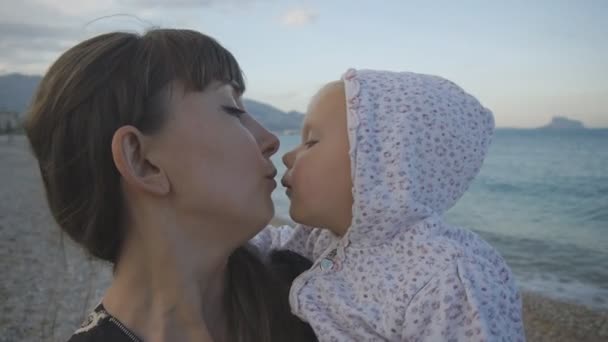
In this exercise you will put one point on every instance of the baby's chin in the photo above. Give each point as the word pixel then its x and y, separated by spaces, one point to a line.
pixel 295 215
pixel 302 217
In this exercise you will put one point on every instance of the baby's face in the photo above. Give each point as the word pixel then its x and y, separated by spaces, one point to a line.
pixel 318 179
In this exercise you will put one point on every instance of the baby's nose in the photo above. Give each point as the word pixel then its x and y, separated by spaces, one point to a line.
pixel 288 158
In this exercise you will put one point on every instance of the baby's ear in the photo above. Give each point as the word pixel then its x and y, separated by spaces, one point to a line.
pixel 129 152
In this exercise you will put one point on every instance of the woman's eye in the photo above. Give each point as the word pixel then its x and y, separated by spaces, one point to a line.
pixel 233 111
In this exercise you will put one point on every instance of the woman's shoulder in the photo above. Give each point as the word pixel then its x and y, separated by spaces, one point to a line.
pixel 101 326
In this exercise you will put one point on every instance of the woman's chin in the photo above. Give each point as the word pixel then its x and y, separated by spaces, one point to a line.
pixel 263 216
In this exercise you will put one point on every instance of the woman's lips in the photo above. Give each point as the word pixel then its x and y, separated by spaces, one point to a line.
pixel 273 183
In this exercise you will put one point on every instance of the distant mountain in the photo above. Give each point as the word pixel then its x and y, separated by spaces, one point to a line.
pixel 560 122
pixel 273 118
pixel 16 91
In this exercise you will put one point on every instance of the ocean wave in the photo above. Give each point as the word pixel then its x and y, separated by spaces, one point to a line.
pixel 545 189
pixel 597 213
pixel 562 260
pixel 571 290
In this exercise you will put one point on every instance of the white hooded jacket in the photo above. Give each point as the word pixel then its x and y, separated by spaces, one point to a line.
pixel 401 273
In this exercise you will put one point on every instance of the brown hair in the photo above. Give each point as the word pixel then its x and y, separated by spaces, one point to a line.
pixel 119 79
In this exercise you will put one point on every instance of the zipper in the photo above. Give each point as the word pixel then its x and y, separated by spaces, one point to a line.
pixel 125 330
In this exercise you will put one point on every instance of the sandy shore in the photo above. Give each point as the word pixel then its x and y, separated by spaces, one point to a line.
pixel 48 285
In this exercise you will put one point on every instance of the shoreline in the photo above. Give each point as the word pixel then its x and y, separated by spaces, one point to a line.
pixel 550 289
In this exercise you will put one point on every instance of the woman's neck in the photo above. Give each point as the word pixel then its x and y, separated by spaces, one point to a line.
pixel 169 288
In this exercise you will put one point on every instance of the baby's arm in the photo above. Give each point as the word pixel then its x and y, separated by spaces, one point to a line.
pixel 463 304
pixel 307 241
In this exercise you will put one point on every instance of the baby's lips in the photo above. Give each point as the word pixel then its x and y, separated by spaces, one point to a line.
pixel 285 183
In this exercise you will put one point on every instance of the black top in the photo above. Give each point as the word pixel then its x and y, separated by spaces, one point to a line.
pixel 101 326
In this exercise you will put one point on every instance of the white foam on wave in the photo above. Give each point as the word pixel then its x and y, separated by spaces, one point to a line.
pixel 571 290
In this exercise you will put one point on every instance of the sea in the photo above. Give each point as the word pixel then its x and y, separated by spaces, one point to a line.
pixel 541 199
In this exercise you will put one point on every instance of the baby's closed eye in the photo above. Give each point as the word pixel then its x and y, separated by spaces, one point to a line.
pixel 310 143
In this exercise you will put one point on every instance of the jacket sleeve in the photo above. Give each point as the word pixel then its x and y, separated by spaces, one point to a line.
pixel 307 241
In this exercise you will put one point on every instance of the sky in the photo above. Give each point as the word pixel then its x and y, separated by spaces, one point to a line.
pixel 526 60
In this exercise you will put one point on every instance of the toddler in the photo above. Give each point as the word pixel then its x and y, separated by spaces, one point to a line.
pixel 383 156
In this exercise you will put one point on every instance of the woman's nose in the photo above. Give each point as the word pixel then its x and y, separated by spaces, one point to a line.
pixel 267 141
pixel 270 144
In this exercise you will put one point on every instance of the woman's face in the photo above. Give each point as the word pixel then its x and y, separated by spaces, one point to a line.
pixel 217 159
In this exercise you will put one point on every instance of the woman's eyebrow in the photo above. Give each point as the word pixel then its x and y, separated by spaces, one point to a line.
pixel 236 88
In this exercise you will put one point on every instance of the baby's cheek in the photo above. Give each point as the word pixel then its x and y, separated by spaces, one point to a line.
pixel 311 182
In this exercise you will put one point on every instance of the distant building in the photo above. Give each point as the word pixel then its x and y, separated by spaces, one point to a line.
pixel 9 121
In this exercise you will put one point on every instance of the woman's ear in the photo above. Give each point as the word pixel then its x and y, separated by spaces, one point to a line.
pixel 129 153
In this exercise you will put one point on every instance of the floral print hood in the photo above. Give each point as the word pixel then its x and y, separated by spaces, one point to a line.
pixel 416 143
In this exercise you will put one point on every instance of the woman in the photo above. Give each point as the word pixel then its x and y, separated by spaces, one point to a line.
pixel 151 163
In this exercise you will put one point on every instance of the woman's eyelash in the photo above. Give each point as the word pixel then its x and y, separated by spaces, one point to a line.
pixel 233 111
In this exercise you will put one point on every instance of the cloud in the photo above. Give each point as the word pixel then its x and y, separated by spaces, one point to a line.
pixel 191 3
pixel 298 17
pixel 185 3
pixel 21 31
pixel 34 32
